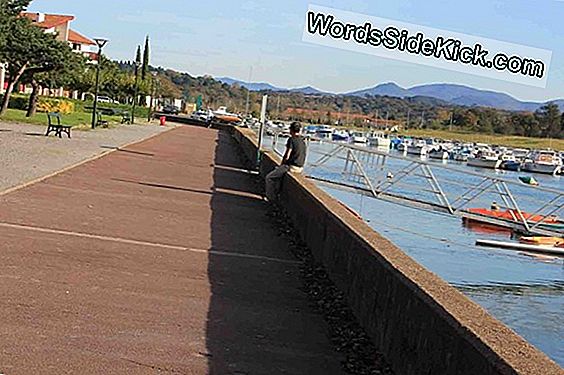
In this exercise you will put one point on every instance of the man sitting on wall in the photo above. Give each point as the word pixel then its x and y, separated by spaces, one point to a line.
pixel 293 161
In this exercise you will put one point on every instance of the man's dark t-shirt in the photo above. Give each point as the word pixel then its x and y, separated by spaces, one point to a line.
pixel 298 151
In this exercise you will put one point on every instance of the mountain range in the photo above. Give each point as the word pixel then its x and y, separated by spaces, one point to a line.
pixel 456 94
pixel 263 86
pixel 450 93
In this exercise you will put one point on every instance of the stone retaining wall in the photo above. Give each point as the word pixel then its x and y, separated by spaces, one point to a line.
pixel 421 323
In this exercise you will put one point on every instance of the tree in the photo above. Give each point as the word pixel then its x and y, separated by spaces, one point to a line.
pixel 525 124
pixel 9 10
pixel 562 126
pixel 548 117
pixel 28 50
pixel 137 60
pixel 57 70
pixel 165 88
pixel 146 54
pixel 82 78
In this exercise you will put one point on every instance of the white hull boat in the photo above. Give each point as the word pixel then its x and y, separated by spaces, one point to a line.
pixel 418 150
pixel 383 143
pixel 484 162
pixel 438 154
pixel 461 157
pixel 380 140
pixel 531 166
pixel 324 133
pixel 547 162
pixel 359 138
pixel 341 136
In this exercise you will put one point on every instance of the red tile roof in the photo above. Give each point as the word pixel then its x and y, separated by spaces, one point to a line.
pixel 75 37
pixel 51 20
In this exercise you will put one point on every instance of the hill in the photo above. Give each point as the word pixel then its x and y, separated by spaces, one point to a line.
pixel 263 86
pixel 451 93
pixel 456 94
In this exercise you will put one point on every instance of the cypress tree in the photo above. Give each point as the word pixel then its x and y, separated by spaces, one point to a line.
pixel 137 59
pixel 146 54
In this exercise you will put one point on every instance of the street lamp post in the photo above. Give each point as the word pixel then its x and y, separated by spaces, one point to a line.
pixel 137 66
pixel 100 42
pixel 151 105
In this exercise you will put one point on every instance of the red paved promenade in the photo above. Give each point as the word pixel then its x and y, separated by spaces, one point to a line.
pixel 155 259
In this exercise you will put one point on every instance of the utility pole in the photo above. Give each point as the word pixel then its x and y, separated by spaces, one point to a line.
pixel 262 126
pixel 151 105
pixel 450 125
pixel 248 91
pixel 100 42
pixel 137 67
pixel 408 113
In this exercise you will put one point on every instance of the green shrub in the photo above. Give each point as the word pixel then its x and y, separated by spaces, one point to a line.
pixel 17 101
pixel 20 101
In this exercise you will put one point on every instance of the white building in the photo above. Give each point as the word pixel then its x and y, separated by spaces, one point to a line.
pixel 60 25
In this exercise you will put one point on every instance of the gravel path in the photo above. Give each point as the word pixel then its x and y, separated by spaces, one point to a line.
pixel 26 154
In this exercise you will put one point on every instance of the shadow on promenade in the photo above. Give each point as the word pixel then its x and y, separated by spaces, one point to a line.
pixel 259 321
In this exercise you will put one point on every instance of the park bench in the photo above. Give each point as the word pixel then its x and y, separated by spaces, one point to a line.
pixel 100 121
pixel 54 125
pixel 125 118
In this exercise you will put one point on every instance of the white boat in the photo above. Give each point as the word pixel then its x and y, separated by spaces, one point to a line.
pixel 223 115
pixel 359 137
pixel 202 115
pixel 507 156
pixel 555 250
pixel 379 139
pixel 402 147
pixel 341 136
pixel 485 159
pixel 461 154
pixel 545 161
pixel 310 130
pixel 325 132
pixel 439 153
pixel 520 153
pixel 284 131
pixel 418 148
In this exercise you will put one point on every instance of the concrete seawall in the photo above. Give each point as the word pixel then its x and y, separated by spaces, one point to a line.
pixel 421 323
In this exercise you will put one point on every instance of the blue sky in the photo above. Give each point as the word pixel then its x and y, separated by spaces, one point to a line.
pixel 225 37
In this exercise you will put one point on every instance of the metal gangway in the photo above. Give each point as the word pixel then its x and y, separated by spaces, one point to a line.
pixel 440 188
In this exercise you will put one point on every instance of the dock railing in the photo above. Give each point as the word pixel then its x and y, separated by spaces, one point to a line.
pixel 434 186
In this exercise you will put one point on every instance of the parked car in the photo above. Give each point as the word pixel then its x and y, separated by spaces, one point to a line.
pixel 171 109
pixel 201 115
pixel 105 99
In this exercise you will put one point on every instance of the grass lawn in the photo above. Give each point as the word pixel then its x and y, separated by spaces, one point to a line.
pixel 79 120
pixel 505 140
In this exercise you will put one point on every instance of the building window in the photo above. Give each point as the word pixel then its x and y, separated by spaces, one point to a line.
pixel 76 46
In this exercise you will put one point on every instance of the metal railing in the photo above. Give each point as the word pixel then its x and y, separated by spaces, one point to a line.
pixel 436 187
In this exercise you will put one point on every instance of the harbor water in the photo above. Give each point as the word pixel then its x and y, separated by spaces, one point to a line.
pixel 524 291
